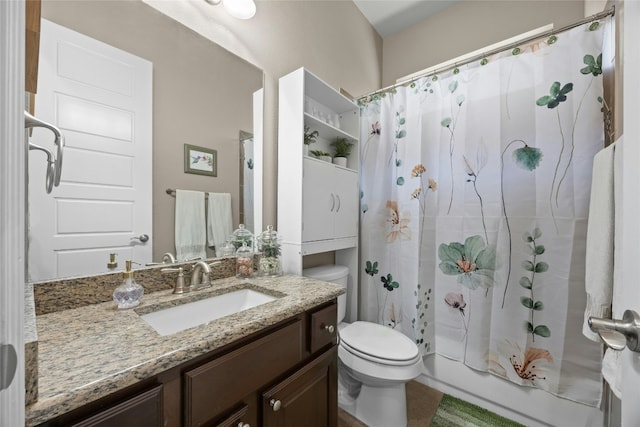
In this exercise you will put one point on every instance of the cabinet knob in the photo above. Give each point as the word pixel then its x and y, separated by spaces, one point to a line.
pixel 275 405
pixel 329 328
pixel 241 424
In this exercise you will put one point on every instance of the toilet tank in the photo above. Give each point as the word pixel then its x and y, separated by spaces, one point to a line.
pixel 338 274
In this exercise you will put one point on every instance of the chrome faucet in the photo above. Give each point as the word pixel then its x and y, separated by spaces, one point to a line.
pixel 200 274
pixel 168 258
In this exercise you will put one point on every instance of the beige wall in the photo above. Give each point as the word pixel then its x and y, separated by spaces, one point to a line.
pixel 202 95
pixel 467 26
pixel 330 38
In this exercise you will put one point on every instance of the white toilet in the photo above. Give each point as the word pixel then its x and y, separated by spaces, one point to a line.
pixel 375 362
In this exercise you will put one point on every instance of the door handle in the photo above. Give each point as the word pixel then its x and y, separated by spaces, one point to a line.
pixel 333 202
pixel 338 208
pixel 618 333
pixel 8 364
pixel 143 238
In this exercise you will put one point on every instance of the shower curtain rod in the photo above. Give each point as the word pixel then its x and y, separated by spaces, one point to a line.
pixel 435 70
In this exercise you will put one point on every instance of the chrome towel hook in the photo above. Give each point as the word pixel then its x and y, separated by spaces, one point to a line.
pixel 51 168
pixel 54 167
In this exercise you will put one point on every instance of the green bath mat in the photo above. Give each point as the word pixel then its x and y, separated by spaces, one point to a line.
pixel 454 412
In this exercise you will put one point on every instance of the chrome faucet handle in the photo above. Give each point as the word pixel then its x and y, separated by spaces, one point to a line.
pixel 178 288
pixel 200 274
pixel 168 258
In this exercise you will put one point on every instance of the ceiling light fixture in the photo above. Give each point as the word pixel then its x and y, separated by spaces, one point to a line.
pixel 240 9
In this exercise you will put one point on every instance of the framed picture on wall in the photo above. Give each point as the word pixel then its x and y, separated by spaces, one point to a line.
pixel 200 160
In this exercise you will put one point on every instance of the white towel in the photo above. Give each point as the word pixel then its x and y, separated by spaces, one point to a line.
pixel 599 258
pixel 190 230
pixel 612 362
pixel 611 371
pixel 219 219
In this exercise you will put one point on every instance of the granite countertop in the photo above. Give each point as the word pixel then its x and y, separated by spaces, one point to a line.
pixel 90 352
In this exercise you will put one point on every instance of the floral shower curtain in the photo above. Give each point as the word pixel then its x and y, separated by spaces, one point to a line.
pixel 474 201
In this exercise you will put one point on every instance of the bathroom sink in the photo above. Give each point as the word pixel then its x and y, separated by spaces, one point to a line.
pixel 175 319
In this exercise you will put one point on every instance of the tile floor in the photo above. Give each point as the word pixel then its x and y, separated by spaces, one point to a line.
pixel 422 403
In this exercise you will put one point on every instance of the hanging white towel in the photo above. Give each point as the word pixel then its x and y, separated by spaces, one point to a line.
pixel 219 219
pixel 611 371
pixel 190 228
pixel 599 260
pixel 612 362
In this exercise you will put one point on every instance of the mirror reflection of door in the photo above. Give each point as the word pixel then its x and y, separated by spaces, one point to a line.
pixel 247 164
pixel 100 97
pixel 202 95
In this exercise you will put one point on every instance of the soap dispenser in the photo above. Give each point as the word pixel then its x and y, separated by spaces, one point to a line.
pixel 129 293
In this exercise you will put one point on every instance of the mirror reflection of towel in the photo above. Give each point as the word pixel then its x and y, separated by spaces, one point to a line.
pixel 190 227
pixel 219 219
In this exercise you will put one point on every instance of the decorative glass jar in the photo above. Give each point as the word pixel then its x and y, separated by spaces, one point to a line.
pixel 269 248
pixel 244 262
pixel 228 249
pixel 242 235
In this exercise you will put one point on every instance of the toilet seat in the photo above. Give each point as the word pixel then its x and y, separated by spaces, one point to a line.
pixel 379 344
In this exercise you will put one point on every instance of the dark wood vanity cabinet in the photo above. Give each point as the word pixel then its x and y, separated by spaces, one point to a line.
pixel 285 378
pixel 284 375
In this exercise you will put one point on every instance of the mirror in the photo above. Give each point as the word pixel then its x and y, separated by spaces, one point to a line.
pixel 202 95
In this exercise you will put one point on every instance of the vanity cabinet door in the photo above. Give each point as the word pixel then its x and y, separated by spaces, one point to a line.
pixel 217 386
pixel 144 409
pixel 308 397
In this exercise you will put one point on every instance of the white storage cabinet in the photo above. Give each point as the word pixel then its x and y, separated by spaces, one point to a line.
pixel 318 201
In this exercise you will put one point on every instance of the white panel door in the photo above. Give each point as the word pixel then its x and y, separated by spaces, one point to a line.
pixel 318 200
pixel 628 287
pixel 347 207
pixel 101 99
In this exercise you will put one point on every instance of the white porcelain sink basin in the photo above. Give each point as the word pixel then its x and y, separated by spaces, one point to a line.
pixel 175 319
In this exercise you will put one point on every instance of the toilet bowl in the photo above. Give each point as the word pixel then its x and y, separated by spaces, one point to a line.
pixel 375 362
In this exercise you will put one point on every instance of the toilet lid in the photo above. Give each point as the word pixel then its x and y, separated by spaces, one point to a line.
pixel 378 342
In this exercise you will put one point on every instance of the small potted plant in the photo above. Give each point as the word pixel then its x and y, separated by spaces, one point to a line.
pixel 342 150
pixel 309 138
pixel 322 155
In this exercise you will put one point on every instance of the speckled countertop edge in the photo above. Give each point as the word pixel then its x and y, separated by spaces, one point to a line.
pixel 90 352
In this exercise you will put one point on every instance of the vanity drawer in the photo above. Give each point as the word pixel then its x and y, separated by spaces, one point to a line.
pixel 324 327
pixel 216 386
pixel 142 409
